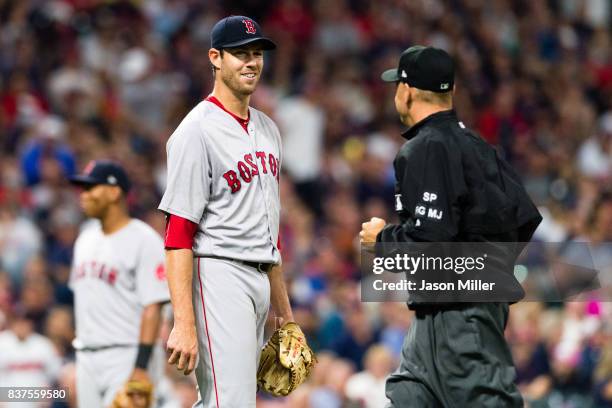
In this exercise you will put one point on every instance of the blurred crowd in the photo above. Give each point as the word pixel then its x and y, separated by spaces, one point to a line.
pixel 90 79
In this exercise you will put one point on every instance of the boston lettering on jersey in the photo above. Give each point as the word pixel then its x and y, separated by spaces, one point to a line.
pixel 249 168
pixel 98 270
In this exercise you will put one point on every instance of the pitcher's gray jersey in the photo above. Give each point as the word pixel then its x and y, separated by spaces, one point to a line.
pixel 113 277
pixel 227 182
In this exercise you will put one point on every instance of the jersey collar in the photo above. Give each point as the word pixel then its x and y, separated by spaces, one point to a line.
pixel 243 122
pixel 442 115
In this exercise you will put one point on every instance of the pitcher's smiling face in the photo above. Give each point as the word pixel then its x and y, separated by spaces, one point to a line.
pixel 240 67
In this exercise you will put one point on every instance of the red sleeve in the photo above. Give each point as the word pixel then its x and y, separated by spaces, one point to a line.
pixel 179 232
pixel 278 242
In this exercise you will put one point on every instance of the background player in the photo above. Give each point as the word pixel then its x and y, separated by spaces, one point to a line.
pixel 119 284
pixel 222 198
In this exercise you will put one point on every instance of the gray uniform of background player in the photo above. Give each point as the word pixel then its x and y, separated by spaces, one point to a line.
pixel 113 277
pixel 231 300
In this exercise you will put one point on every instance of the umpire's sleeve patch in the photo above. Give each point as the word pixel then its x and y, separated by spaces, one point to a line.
pixel 398 203
pixel 435 214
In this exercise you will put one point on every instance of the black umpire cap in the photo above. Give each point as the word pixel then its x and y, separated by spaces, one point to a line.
pixel 427 68
pixel 102 172
pixel 234 31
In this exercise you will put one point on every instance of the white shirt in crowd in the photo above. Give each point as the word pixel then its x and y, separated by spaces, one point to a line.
pixel 33 362
pixel 366 388
pixel 302 126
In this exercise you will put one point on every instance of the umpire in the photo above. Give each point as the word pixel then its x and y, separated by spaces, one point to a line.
pixel 451 187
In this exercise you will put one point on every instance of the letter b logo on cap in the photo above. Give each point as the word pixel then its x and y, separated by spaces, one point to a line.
pixel 250 27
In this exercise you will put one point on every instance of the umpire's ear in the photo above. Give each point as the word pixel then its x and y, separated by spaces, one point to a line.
pixel 402 93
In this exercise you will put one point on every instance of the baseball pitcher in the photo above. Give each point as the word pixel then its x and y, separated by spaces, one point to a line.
pixel 222 234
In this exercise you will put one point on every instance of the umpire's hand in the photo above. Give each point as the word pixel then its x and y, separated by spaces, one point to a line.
pixel 370 229
pixel 183 347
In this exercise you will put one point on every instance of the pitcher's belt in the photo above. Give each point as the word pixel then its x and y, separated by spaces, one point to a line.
pixel 260 266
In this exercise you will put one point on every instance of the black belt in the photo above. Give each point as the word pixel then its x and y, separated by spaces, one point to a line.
pixel 260 266
pixel 109 346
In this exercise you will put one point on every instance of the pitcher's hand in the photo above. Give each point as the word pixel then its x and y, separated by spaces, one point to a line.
pixel 182 347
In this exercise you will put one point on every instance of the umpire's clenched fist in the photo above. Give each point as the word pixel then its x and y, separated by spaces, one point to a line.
pixel 370 229
pixel 182 347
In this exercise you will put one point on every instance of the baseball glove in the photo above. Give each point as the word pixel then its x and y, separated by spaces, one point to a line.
pixel 135 394
pixel 286 361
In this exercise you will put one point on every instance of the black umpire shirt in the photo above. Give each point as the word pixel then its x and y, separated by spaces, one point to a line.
pixel 451 186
